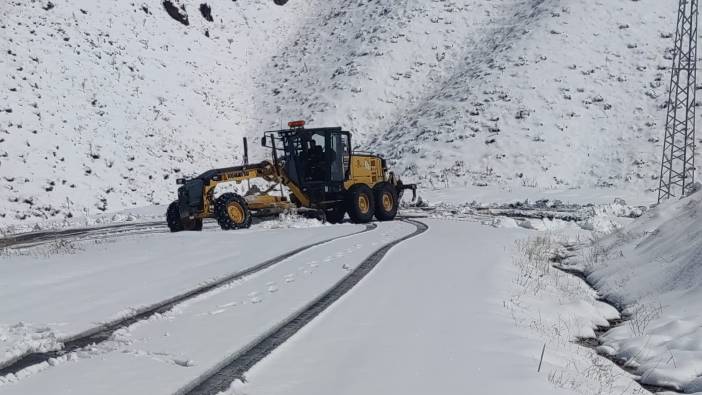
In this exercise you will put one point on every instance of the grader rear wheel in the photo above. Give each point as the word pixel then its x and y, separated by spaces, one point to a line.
pixel 232 212
pixel 178 224
pixel 386 201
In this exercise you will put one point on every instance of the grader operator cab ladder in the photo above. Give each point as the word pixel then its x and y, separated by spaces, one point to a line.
pixel 318 168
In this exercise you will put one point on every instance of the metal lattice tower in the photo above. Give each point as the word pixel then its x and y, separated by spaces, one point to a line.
pixel 678 164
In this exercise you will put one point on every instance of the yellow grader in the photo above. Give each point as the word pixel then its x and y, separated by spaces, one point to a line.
pixel 317 166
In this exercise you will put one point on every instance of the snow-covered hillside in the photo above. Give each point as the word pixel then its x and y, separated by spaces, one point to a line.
pixel 548 94
pixel 106 103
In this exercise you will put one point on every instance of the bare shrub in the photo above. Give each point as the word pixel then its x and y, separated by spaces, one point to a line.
pixel 529 182
pixel 598 371
pixel 62 247
pixel 534 261
pixel 603 372
pixel 641 317
pixel 561 379
pixel 594 255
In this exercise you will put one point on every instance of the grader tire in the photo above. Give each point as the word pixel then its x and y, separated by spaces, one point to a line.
pixel 194 225
pixel 360 204
pixel 178 224
pixel 173 218
pixel 232 212
pixel 335 215
pixel 386 201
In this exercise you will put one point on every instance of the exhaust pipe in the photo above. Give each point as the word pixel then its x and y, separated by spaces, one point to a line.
pixel 246 151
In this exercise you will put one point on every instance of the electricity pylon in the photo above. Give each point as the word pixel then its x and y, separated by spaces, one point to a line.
pixel 678 164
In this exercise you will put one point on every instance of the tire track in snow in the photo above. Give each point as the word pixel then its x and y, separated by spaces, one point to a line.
pixel 220 377
pixel 30 239
pixel 36 238
pixel 104 332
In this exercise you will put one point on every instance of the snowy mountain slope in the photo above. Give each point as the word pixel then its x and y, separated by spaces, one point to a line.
pixel 368 64
pixel 109 102
pixel 540 93
pixel 106 103
pixel 561 105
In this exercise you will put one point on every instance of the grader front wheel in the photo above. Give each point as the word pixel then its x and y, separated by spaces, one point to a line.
pixel 193 224
pixel 173 218
pixel 232 212
pixel 361 204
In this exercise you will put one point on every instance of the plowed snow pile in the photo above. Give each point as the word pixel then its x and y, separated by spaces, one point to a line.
pixel 105 103
pixel 653 268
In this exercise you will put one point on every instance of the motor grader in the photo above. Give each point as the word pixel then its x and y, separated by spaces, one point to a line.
pixel 318 168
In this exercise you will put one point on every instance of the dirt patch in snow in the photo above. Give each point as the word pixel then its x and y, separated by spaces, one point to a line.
pixel 206 12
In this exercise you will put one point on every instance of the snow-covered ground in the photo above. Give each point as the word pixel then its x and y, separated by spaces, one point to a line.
pixel 653 270
pixel 141 215
pixel 469 304
pixel 56 293
pixel 168 351
pixel 431 319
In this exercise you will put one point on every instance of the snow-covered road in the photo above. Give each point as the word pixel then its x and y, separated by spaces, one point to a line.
pixel 429 320
pixel 167 352
pixel 47 299
pixel 445 311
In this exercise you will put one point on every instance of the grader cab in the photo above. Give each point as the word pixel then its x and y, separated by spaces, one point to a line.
pixel 317 166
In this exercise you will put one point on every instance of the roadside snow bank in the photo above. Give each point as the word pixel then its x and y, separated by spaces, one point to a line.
pixel 22 338
pixel 145 214
pixel 542 214
pixel 653 268
pixel 558 308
